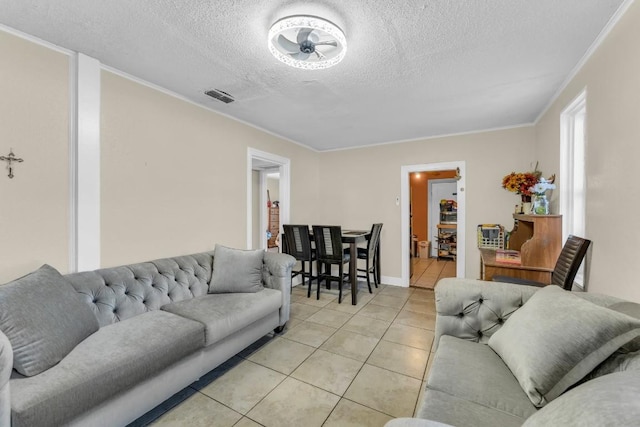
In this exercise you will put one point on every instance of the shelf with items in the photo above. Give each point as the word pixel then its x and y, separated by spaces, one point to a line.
pixel 447 238
pixel 274 226
pixel 447 241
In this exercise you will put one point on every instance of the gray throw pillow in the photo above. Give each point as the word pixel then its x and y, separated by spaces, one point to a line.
pixel 632 309
pixel 44 319
pixel 611 400
pixel 236 270
pixel 556 338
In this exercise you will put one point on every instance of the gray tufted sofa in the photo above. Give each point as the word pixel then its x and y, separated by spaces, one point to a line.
pixel 159 331
pixel 470 385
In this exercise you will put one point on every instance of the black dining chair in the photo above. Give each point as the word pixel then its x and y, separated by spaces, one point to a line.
pixel 566 268
pixel 369 254
pixel 298 245
pixel 329 252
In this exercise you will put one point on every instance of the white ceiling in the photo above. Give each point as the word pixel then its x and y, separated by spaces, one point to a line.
pixel 413 68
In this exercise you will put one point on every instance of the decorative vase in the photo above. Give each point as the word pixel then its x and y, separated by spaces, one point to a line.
pixel 540 204
pixel 525 205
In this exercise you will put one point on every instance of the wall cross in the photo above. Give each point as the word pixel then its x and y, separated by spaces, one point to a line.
pixel 10 159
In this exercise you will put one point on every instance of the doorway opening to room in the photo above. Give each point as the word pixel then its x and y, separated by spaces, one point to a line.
pixel 267 199
pixel 433 214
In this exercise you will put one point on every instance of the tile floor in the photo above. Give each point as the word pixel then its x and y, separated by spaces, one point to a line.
pixel 334 365
pixel 427 271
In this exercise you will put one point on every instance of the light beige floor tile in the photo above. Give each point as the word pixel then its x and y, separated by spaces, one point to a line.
pixel 310 333
pixel 385 391
pixel 418 320
pixel 388 301
pixel 351 414
pixel 350 344
pixel 399 358
pixel 292 323
pixel 366 326
pixel 246 422
pixel 408 335
pixel 325 298
pixel 282 355
pixel 379 312
pixel 422 295
pixel 328 317
pixel 244 386
pixel 397 291
pixel 346 306
pixel 419 306
pixel 199 411
pixel 329 371
pixel 297 297
pixel 294 403
pixel 302 311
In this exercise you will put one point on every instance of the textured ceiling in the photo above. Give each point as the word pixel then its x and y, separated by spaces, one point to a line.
pixel 413 68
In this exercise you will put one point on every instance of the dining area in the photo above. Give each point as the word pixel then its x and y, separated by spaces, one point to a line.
pixel 329 253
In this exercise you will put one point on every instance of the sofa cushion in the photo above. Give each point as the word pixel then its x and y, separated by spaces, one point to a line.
pixel 236 270
pixel 556 339
pixel 474 372
pixel 611 400
pixel 224 314
pixel 108 362
pixel 617 362
pixel 44 319
pixel 445 408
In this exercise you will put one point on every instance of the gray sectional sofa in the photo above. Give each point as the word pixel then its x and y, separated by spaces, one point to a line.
pixel 101 348
pixel 510 355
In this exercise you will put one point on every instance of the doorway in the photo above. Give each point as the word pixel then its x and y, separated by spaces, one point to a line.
pixel 268 198
pixel 409 220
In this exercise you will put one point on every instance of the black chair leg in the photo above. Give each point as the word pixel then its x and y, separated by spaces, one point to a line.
pixel 368 274
pixel 340 280
pixel 327 271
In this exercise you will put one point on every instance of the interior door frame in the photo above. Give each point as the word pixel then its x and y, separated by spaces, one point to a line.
pixel 284 167
pixel 404 213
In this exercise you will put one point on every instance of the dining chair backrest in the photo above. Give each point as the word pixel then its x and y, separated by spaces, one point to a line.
pixel 372 245
pixel 298 242
pixel 328 240
pixel 568 264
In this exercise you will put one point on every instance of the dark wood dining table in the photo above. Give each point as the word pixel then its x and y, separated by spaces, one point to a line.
pixel 353 238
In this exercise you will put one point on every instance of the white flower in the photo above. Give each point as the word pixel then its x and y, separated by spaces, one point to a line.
pixel 542 186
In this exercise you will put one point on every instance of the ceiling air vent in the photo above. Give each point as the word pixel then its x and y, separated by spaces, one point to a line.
pixel 220 95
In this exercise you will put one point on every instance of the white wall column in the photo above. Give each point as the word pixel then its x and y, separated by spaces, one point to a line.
pixel 85 163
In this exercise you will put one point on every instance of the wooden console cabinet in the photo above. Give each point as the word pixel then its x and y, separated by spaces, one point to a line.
pixel 539 240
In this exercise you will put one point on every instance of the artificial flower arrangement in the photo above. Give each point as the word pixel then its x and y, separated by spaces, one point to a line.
pixel 528 184
pixel 521 183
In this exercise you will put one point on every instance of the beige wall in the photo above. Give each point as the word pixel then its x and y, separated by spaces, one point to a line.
pixel 359 187
pixel 174 174
pixel 612 79
pixel 34 121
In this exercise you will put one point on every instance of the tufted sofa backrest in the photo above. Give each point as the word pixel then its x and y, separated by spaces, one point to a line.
pixel 122 292
pixel 475 309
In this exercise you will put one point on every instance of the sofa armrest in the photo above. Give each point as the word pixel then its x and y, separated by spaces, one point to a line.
pixel 475 309
pixel 6 366
pixel 277 275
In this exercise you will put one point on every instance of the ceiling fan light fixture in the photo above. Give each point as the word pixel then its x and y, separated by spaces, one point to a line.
pixel 307 42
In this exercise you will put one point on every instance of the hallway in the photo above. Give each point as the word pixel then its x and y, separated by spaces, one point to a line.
pixel 427 271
